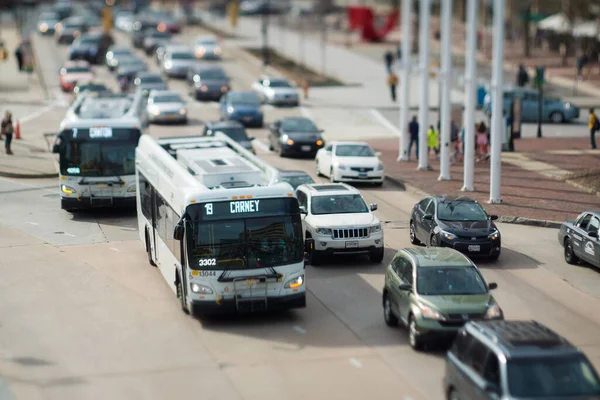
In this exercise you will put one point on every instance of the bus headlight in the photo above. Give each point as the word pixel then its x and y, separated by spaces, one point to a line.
pixel 67 189
pixel 201 289
pixel 294 283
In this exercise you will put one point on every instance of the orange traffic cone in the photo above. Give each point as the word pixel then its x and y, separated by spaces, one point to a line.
pixel 17 130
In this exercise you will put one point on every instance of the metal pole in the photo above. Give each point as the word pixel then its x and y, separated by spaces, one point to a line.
pixel 540 102
pixel 446 84
pixel 323 41
pixel 265 32
pixel 498 124
pixel 424 14
pixel 470 98
pixel 405 78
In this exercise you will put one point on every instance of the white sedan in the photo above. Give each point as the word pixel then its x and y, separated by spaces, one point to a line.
pixel 276 91
pixel 350 162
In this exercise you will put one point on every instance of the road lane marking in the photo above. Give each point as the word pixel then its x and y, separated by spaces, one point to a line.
pixel 356 363
pixel 115 249
pixel 262 145
pixel 307 114
pixel 32 223
pixel 384 121
pixel 300 330
pixel 36 114
pixel 69 234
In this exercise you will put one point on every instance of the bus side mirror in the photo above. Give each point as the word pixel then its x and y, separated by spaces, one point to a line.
pixel 178 232
pixel 303 210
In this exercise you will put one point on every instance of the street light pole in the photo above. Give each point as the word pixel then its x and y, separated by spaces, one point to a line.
pixel 470 92
pixel 265 33
pixel 446 84
pixel 498 122
pixel 405 81
pixel 424 16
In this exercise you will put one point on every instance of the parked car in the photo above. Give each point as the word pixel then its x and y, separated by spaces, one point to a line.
pixel 47 22
pixel 208 82
pixel 350 162
pixel 154 39
pixel 114 54
pixel 554 109
pixel 90 87
pixel 63 9
pixel 73 73
pixel 295 178
pixel 242 106
pixel 233 129
pixel 130 66
pixel 579 237
pixel 178 60
pixel 517 360
pixel 276 91
pixel 206 47
pixel 433 292
pixel 91 47
pixel 166 106
pixel 295 135
pixel 457 222
pixel 68 29
pixel 339 221
pixel 147 81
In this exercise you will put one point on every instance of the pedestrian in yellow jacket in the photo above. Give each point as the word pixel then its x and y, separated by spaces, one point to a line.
pixel 433 140
pixel 392 82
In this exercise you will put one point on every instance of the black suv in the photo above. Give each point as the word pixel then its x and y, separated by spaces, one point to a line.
pixel 517 360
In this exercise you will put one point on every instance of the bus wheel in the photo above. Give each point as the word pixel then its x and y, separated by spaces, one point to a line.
pixel 149 250
pixel 181 296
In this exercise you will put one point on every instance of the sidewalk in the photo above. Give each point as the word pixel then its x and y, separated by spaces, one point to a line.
pixel 530 189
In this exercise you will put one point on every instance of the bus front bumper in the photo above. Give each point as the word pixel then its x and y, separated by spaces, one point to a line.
pixel 73 203
pixel 203 308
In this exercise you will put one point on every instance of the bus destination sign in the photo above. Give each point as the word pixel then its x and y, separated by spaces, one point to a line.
pixel 249 208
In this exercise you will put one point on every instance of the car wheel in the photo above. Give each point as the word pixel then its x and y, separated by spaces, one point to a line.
pixel 413 336
pixel 557 117
pixel 388 314
pixel 376 256
pixel 413 234
pixel 331 176
pixel 318 171
pixel 181 297
pixel 570 256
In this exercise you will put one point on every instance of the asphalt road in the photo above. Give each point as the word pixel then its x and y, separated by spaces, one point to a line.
pixel 83 315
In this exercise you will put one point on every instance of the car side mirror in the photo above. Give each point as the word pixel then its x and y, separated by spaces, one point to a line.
pixel 492 285
pixel 373 206
pixel 178 232
pixel 303 210
pixel 378 153
pixel 593 234
pixel 493 217
pixel 405 286
pixel 428 217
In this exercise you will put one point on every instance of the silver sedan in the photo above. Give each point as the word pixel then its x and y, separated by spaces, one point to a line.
pixel 166 106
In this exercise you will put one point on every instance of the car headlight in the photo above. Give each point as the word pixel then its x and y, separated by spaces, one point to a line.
pixel 201 289
pixel 204 88
pixel 168 64
pixel 448 235
pixel 319 143
pixel 380 167
pixel 323 231
pixel 131 189
pixel 230 110
pixel 430 313
pixel 154 111
pixel 494 235
pixel 376 228
pixel 224 89
pixel 67 189
pixel 493 312
pixel 200 52
pixel 285 138
pixel 44 28
pixel 341 166
pixel 294 283
pixel 217 50
pixel 182 111
pixel 567 106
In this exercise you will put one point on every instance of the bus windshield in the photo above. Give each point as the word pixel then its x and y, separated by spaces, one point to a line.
pixel 84 154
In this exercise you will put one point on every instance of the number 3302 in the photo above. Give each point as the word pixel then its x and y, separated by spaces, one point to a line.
pixel 207 261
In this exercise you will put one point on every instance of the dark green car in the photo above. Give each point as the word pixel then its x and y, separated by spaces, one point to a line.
pixel 434 292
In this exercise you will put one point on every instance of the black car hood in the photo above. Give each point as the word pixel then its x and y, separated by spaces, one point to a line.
pixel 468 228
pixel 212 83
pixel 303 136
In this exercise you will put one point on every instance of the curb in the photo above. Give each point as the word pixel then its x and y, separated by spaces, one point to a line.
pixel 507 219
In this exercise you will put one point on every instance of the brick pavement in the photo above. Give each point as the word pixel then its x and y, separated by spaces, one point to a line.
pixel 524 193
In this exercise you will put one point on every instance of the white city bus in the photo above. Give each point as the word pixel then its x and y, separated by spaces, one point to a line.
pixel 225 235
pixel 96 150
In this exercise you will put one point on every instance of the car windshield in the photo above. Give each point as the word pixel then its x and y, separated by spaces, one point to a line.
pixel 213 74
pixel 247 243
pixel 73 25
pixel 340 204
pixel 130 61
pixel 236 133
pixel 298 125
pixel 167 98
pixel 151 79
pixel 545 377
pixel 160 35
pixel 92 88
pixel 461 211
pixel 297 180
pixel 206 42
pixel 87 41
pixel 183 55
pixel 76 70
pixel 445 281
pixel 120 52
pixel 279 84
pixel 353 150
pixel 249 99
pixel 99 157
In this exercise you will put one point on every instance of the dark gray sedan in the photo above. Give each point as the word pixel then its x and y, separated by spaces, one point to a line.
pixel 208 82
pixel 579 237
pixel 148 81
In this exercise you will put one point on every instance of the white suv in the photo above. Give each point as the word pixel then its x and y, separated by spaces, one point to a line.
pixel 339 221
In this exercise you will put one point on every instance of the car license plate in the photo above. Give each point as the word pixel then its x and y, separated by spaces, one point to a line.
pixel 474 247
pixel 305 148
pixel 169 117
pixel 352 245
pixel 247 118
pixel 362 175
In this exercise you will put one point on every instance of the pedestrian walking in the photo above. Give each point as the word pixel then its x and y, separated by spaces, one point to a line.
pixel 594 126
pixel 7 130
pixel 19 57
pixel 433 141
pixel 389 60
pixel 393 82
pixel 522 76
pixel 482 141
pixel 413 130
pixel 454 145
pixel 581 61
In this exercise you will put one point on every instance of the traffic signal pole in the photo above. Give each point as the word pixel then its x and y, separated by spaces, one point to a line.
pixel 498 128
pixel 424 17
pixel 405 78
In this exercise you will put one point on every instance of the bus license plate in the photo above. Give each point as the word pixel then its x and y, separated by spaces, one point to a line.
pixel 352 245
pixel 474 247
pixel 305 148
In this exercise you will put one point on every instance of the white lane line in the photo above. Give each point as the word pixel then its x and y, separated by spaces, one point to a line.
pixel 305 113
pixel 69 234
pixel 383 121
pixel 36 114
pixel 115 249
pixel 32 223
pixel 262 145
pixel 356 363
pixel 300 330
